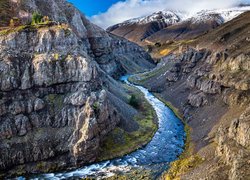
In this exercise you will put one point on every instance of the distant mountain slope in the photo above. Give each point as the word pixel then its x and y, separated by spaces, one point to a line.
pixel 233 36
pixel 199 24
pixel 138 29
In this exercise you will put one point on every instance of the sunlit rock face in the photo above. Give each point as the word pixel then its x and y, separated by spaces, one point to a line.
pixel 58 95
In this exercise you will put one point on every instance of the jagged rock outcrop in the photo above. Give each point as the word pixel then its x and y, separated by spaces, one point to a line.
pixel 197 99
pixel 58 97
pixel 233 146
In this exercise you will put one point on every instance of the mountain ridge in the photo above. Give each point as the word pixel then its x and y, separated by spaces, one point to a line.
pixel 131 29
pixel 203 21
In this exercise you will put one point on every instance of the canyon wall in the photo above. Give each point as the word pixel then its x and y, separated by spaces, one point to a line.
pixel 58 94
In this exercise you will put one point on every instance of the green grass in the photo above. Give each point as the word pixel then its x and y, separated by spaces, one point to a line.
pixel 133 175
pixel 55 101
pixel 32 27
pixel 171 106
pixel 10 30
pixel 186 162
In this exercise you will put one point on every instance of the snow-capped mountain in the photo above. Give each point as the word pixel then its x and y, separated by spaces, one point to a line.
pixel 140 28
pixel 167 17
pixel 223 15
pixel 163 17
pixel 168 25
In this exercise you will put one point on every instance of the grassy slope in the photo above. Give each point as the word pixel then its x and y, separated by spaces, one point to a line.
pixel 119 142
pixel 165 49
pixel 233 35
pixel 9 30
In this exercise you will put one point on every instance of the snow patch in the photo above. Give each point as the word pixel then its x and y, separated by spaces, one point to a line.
pixel 219 15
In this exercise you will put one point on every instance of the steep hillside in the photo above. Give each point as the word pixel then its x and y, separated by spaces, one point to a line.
pixel 59 98
pixel 189 29
pixel 209 83
pixel 138 29
pixel 233 36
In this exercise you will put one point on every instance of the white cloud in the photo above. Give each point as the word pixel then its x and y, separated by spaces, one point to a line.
pixel 128 9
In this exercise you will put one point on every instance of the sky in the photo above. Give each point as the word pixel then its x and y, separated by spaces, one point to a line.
pixel 109 12
pixel 93 7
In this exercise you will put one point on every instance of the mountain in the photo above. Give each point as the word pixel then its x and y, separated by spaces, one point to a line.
pixel 138 29
pixel 198 24
pixel 208 81
pixel 58 88
pixel 178 26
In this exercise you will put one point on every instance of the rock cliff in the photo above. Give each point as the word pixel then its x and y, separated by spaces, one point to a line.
pixel 58 94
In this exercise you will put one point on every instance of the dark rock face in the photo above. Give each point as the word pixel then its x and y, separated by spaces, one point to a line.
pixel 57 94
pixel 184 64
pixel 197 99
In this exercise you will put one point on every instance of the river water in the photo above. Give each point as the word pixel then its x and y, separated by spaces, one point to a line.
pixel 165 147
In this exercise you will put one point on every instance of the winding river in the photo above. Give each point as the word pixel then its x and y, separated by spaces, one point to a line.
pixel 165 147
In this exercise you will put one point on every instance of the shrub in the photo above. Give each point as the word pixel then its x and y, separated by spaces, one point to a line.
pixel 133 101
pixel 45 19
pixel 12 24
pixel 157 44
pixel 56 56
pixel 149 48
pixel 96 107
pixel 36 18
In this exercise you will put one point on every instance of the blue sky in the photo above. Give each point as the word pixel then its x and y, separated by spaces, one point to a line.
pixel 93 7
